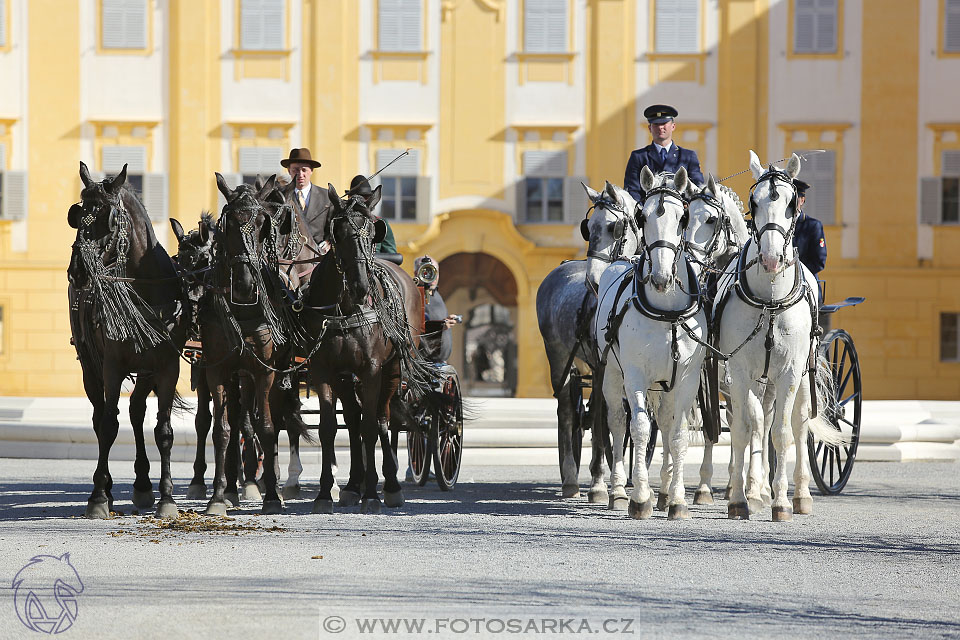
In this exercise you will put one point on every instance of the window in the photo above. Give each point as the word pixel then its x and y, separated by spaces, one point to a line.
pixel 677 26
pixel 940 196
pixel 398 198
pixel 3 26
pixel 545 26
pixel 819 171
pixel 113 157
pixel 262 25
pixel 123 24
pixel 815 26
pixel 542 187
pixel 949 343
pixel 13 191
pixel 258 161
pixel 399 25
pixel 951 26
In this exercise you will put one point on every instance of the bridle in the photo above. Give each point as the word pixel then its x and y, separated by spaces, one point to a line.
pixel 362 233
pixel 619 229
pixel 722 229
pixel 773 176
pixel 250 255
pixel 664 192
pixel 92 250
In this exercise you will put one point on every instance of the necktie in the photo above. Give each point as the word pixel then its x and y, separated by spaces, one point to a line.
pixel 301 199
pixel 663 155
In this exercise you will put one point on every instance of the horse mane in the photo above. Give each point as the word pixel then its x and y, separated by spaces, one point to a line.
pixel 734 208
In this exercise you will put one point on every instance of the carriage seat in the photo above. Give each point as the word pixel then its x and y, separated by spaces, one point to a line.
pixel 395 258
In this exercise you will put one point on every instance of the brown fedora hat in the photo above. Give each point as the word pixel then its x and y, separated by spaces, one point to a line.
pixel 300 155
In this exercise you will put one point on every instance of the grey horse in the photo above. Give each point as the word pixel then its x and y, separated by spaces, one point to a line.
pixel 566 301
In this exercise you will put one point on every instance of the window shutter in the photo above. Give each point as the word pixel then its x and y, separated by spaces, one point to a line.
pixel 826 26
pixel 423 200
pixel 262 25
pixel 677 26
pixel 521 194
pixel 575 201
pixel 3 152
pixel 803 21
pixel 409 165
pixel 931 194
pixel 13 197
pixel 821 172
pixel 399 25
pixel 950 163
pixel 951 26
pixel 273 20
pixel 155 196
pixel 264 161
pixel 549 164
pixel 545 26
pixel 3 22
pixel 410 39
pixel 115 156
pixel 124 24
pixel 233 181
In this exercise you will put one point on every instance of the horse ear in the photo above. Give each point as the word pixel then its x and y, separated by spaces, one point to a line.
pixel 117 182
pixel 646 178
pixel 374 199
pixel 611 191
pixel 177 229
pixel 334 196
pixel 74 215
pixel 257 183
pixel 85 175
pixel 222 186
pixel 379 230
pixel 793 166
pixel 264 190
pixel 755 167
pixel 680 180
pixel 593 195
pixel 205 231
pixel 711 187
pixel 286 222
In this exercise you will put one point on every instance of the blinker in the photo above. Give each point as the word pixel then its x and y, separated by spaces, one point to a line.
pixel 585 229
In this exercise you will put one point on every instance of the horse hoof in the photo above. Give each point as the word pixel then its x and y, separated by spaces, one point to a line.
pixel 251 492
pixel 232 498
pixel 597 496
pixel 97 510
pixel 619 503
pixel 704 496
pixel 167 509
pixel 143 499
pixel 216 508
pixel 322 506
pixel 291 492
pixel 678 512
pixel 197 492
pixel 640 511
pixel 726 493
pixel 782 514
pixel 661 501
pixel 755 506
pixel 370 506
pixel 272 507
pixel 738 511
pixel 803 506
pixel 349 498
pixel 570 491
pixel 393 498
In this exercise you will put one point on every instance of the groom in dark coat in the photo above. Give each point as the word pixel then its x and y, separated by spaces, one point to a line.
pixel 662 154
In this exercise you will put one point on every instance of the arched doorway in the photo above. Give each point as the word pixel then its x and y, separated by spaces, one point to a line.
pixel 482 289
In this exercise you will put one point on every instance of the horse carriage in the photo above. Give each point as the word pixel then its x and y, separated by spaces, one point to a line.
pixel 711 238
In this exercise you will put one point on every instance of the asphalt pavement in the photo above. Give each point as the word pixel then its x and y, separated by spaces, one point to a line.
pixel 500 556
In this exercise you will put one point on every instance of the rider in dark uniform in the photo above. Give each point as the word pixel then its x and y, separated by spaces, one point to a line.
pixel 661 154
pixel 808 237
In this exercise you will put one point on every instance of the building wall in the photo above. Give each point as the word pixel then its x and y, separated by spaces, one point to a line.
pixel 471 102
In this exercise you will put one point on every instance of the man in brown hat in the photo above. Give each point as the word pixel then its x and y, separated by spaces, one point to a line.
pixel 309 201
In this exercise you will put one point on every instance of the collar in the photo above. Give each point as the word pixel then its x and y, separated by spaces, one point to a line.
pixel 668 148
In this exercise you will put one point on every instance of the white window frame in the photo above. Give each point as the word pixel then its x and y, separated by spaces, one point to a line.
pixel 817 16
pixel 263 25
pixel 677 26
pixel 545 26
pixel 124 24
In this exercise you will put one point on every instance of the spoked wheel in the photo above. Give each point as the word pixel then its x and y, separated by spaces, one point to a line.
pixel 831 465
pixel 579 416
pixel 448 435
pixel 418 453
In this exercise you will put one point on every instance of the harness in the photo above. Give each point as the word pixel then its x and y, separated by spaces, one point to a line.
pixel 619 229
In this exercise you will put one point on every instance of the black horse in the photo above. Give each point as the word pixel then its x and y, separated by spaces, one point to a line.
pixel 364 318
pixel 127 318
pixel 246 328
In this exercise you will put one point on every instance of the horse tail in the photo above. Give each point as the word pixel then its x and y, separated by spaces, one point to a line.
pixel 180 406
pixel 827 405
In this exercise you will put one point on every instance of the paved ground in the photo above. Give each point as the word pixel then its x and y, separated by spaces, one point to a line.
pixel 500 555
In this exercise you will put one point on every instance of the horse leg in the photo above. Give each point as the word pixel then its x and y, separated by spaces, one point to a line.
pixel 758 473
pixel 748 417
pixel 802 500
pixel 704 493
pixel 166 390
pixel 197 489
pixel 768 406
pixel 221 441
pixel 666 471
pixel 616 424
pixel 599 446
pixel 370 433
pixel 641 502
pixel 291 488
pixel 249 459
pixel 100 503
pixel 782 432
pixel 142 487
pixel 267 434
pixel 568 464
pixel 328 433
pixel 671 416
pixel 392 491
pixel 351 416
pixel 235 417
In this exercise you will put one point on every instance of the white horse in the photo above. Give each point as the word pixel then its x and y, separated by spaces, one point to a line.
pixel 767 308
pixel 650 326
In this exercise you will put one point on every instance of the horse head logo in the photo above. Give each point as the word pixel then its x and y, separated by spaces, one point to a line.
pixel 45 594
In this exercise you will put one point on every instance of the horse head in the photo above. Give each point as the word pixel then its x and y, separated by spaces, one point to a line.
pixel 611 231
pixel 716 231
pixel 773 208
pixel 195 251
pixel 248 233
pixel 352 231
pixel 663 221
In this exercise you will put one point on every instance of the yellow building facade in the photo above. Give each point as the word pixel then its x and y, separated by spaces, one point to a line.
pixel 505 106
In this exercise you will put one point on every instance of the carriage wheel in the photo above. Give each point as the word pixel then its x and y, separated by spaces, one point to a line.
pixel 448 436
pixel 831 465
pixel 579 416
pixel 418 453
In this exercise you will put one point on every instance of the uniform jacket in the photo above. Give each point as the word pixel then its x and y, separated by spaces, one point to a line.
pixel 810 242
pixel 436 347
pixel 315 217
pixel 650 156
